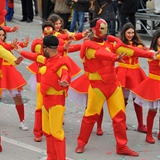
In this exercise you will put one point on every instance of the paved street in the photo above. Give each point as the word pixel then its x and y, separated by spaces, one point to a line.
pixel 19 145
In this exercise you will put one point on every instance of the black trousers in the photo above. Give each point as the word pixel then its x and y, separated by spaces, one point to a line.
pixel 27 9
pixel 142 5
pixel 130 16
pixel 47 9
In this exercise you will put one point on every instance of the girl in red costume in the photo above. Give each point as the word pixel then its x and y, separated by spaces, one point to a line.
pixel 66 35
pixel 13 81
pixel 5 54
pixel 130 73
pixel 147 92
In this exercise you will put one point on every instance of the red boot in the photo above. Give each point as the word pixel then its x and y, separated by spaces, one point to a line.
pixel 60 146
pixel 99 124
pixel 150 120
pixel 38 126
pixel 51 151
pixel 150 139
pixel 126 151
pixel 85 131
pixel 99 132
pixel 0 148
pixel 139 113
pixel 158 136
pixel 0 145
pixel 79 149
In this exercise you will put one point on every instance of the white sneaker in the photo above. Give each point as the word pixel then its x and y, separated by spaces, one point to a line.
pixel 23 126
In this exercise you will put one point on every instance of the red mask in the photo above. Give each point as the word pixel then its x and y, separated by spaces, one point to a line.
pixel 101 28
pixel 48 31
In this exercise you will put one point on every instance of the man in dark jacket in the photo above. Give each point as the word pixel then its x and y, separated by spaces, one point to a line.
pixel 80 7
pixel 128 10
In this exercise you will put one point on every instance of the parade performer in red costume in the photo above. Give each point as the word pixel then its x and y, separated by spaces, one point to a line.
pixel 147 92
pixel 13 81
pixel 129 73
pixel 66 35
pixel 55 78
pixel 98 61
pixel 37 47
pixel 34 68
pixel 6 55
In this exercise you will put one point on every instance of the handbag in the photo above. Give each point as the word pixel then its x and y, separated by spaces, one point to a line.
pixel 95 8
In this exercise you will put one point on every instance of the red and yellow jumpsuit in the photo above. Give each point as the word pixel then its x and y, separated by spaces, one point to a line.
pixel 56 68
pixel 34 68
pixel 99 62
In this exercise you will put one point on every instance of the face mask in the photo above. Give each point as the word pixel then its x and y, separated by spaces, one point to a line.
pixel 101 28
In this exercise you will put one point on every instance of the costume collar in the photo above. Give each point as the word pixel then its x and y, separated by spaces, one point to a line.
pixel 97 39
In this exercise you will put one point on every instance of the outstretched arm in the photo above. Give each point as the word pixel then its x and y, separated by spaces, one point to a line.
pixel 8 56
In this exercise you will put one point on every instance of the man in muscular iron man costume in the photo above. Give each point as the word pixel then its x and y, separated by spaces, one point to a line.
pixel 98 61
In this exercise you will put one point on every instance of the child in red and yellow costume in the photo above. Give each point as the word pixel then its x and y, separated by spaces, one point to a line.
pixel 13 81
pixel 147 92
pixel 6 55
pixel 55 78
pixel 98 61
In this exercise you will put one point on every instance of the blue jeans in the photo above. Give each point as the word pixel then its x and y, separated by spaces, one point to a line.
pixel 77 16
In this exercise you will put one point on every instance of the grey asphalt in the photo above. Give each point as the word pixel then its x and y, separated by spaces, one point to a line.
pixel 19 145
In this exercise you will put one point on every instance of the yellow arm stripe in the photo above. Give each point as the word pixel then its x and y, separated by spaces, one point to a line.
pixel 38 49
pixel 6 55
pixel 59 72
pixel 41 59
pixel 128 51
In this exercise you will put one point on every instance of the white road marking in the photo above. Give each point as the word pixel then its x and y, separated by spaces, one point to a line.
pixel 24 145
pixel 27 146
pixel 44 158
